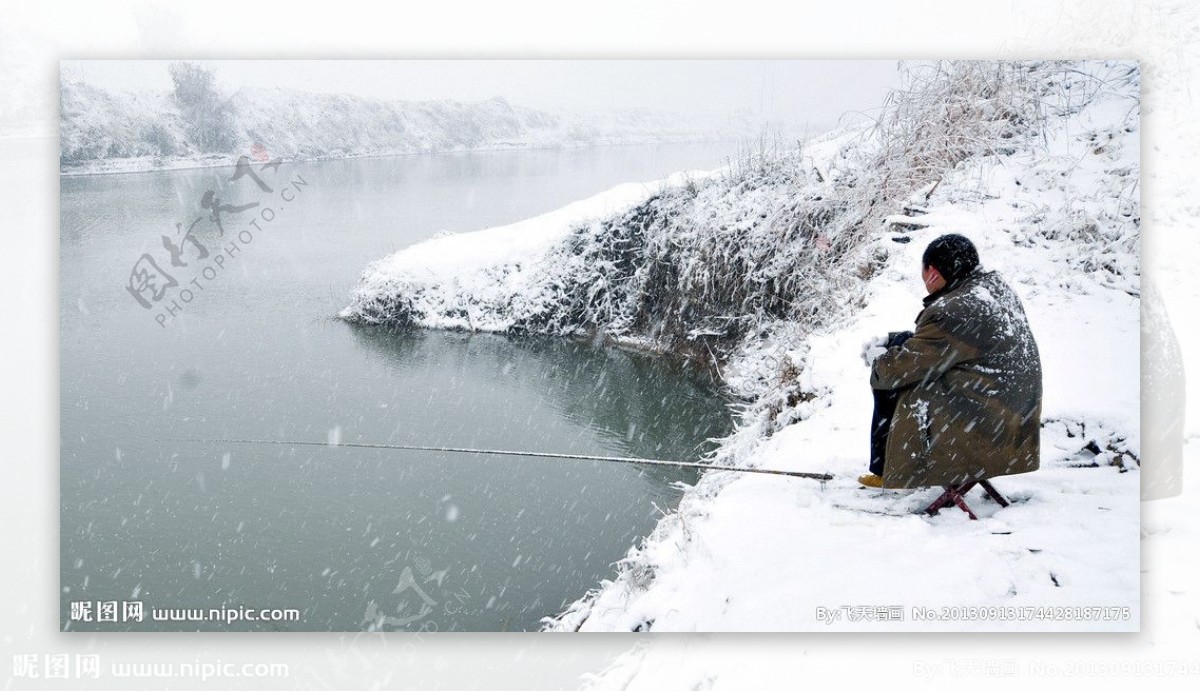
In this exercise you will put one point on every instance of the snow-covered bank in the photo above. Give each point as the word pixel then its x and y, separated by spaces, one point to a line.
pixel 694 263
pixel 103 131
pixel 482 281
pixel 779 270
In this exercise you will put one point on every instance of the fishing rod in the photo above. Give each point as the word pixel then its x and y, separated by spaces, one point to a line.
pixel 512 453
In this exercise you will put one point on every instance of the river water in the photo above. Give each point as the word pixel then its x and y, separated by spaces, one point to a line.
pixel 352 539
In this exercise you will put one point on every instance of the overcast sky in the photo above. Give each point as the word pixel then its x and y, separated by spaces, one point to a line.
pixel 796 90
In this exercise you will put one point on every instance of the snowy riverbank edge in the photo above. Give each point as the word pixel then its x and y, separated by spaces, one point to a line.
pixel 745 553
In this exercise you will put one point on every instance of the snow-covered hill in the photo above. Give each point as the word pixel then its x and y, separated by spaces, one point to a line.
pixel 106 131
pixel 776 271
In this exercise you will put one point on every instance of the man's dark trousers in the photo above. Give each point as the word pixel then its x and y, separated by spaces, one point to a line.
pixel 885 408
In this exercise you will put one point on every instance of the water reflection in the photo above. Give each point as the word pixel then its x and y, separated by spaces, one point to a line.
pixel 354 538
pixel 646 406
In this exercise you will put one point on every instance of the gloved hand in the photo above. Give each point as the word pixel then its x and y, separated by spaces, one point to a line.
pixel 873 348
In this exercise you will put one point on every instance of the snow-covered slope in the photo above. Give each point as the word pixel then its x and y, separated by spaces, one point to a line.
pixel 779 271
pixel 102 131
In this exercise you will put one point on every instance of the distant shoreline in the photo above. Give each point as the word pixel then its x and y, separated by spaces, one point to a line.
pixel 155 164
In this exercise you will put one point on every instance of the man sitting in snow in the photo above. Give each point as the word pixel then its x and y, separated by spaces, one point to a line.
pixel 960 399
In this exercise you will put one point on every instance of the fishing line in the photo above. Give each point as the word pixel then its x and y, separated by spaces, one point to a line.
pixel 514 453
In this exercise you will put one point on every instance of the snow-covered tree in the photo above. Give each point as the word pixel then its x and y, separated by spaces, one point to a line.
pixel 208 117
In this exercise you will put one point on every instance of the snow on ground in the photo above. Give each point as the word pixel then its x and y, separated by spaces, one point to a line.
pixel 1059 220
pixel 764 554
pixel 750 553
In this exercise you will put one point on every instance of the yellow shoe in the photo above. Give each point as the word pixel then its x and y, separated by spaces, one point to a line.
pixel 871 480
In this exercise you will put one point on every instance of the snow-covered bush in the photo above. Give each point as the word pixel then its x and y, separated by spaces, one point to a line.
pixel 697 266
pixel 948 111
pixel 779 236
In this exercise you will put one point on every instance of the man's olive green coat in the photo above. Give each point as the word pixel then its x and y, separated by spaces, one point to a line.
pixel 971 377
